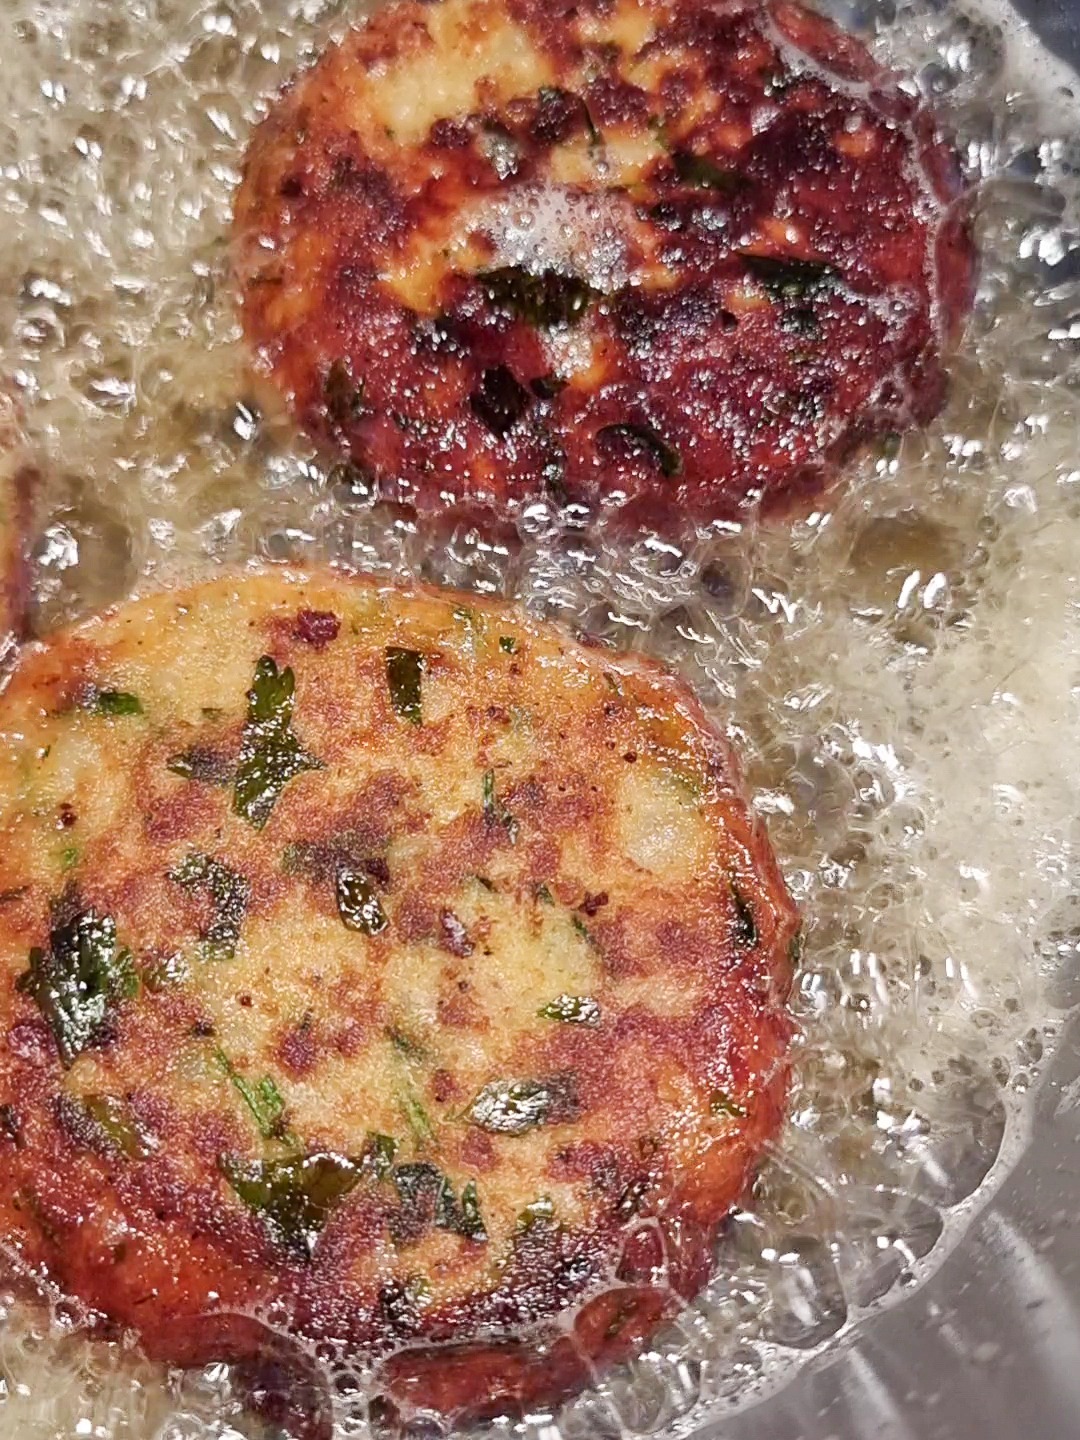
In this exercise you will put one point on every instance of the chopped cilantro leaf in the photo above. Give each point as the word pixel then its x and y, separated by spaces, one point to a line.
pixel 510 1107
pixel 791 279
pixel 543 300
pixel 571 1010
pixel 263 1099
pixel 357 902
pixel 113 702
pixel 700 171
pixel 229 894
pixel 495 812
pixel 77 980
pixel 404 669
pixel 294 1197
pixel 270 754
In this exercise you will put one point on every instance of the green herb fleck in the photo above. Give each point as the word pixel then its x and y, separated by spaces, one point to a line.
pixel 229 894
pixel 113 702
pixel 69 858
pixel 405 1044
pixel 77 980
pixel 720 1103
pixel 427 1197
pixel 495 812
pixel 357 902
pixel 571 1010
pixel 416 1115
pixel 700 171
pixel 795 948
pixel 543 894
pixel 263 1099
pixel 471 1223
pixel 543 300
pixel 107 1123
pixel 792 279
pixel 642 439
pixel 537 1212
pixel 510 1107
pixel 294 1197
pixel 508 644
pixel 379 1152
pixel 403 671
pixel 584 931
pixel 270 754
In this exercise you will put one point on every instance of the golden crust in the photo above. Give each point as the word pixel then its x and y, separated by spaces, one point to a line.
pixel 381 960
pixel 652 254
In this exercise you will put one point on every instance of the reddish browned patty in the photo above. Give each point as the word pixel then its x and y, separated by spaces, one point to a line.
pixel 384 966
pixel 686 254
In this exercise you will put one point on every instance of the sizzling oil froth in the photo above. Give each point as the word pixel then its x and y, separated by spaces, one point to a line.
pixel 901 670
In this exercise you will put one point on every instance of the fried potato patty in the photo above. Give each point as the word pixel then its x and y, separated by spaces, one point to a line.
pixel 677 255
pixel 382 964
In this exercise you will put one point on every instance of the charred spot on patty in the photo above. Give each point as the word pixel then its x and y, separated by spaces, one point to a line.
pixel 405 1024
pixel 593 263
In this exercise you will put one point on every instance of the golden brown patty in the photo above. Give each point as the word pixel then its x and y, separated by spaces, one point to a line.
pixel 381 962
pixel 678 254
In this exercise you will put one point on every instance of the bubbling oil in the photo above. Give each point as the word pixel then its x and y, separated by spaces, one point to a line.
pixel 899 669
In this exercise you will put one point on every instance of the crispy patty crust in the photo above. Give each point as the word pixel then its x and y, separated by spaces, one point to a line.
pixel 381 964
pixel 684 255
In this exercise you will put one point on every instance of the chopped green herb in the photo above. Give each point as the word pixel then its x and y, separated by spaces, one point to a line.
pixel 403 671
pixel 495 812
pixel 293 1197
pixel 229 894
pixel 270 754
pixel 700 171
pixel 416 1115
pixel 537 1212
pixel 791 279
pixel 641 439
pixel 407 1046
pixel 584 931
pixel 510 1107
pixel 77 980
pixel 113 702
pixel 69 858
pixel 545 299
pixel 357 902
pixel 508 644
pixel 105 1122
pixel 344 396
pixel 571 1010
pixel 263 1099
pixel 746 931
pixel 471 1222
pixel 720 1103
pixel 199 762
pixel 379 1154
pixel 543 893
pixel 427 1197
